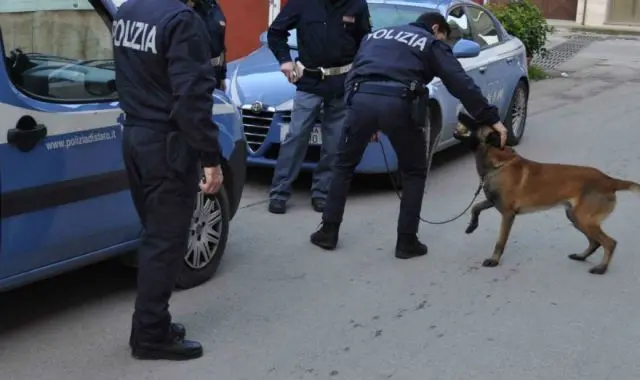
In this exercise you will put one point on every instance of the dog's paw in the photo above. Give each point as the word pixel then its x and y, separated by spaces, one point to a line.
pixel 470 228
pixel 577 257
pixel 490 263
pixel 598 269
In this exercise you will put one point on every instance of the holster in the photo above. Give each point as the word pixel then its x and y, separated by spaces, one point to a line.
pixel 419 105
pixel 420 111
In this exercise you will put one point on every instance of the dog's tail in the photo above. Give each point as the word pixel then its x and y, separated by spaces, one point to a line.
pixel 622 185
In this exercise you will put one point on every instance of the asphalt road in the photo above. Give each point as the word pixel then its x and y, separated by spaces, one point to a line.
pixel 281 309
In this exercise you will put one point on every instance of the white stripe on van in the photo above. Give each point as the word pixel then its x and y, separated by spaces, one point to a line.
pixel 61 123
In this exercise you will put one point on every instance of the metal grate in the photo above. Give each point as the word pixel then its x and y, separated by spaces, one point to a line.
pixel 256 127
pixel 563 52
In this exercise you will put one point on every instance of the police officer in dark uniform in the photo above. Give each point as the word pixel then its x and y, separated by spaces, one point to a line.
pixel 165 82
pixel 329 34
pixel 212 14
pixel 386 91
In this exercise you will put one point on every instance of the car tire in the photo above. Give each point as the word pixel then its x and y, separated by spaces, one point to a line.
pixel 210 220
pixel 516 118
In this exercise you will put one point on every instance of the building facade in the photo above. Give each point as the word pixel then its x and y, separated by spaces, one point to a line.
pixel 596 13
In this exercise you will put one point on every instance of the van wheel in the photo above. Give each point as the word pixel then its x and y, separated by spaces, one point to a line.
pixel 516 119
pixel 207 240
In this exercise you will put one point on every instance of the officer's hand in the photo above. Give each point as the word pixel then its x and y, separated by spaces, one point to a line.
pixel 212 180
pixel 502 130
pixel 223 86
pixel 289 71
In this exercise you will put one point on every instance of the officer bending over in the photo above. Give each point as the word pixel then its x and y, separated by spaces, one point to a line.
pixel 389 72
pixel 165 81
pixel 329 34
pixel 211 13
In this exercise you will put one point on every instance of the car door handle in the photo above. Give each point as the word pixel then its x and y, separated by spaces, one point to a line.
pixel 27 134
pixel 509 60
pixel 482 69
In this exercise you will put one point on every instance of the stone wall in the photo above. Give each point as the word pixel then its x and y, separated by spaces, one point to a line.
pixel 75 34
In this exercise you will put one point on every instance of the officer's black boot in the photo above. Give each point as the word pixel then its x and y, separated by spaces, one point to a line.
pixel 408 246
pixel 277 206
pixel 178 330
pixel 318 204
pixel 327 236
pixel 173 348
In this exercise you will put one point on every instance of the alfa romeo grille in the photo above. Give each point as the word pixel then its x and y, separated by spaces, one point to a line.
pixel 256 127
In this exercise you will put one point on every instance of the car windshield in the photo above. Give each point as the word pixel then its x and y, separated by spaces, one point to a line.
pixel 382 16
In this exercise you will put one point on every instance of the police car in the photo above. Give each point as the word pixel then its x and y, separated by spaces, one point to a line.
pixel 498 66
pixel 65 200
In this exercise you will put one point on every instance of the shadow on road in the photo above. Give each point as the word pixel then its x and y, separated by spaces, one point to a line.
pixel 46 299
pixel 110 279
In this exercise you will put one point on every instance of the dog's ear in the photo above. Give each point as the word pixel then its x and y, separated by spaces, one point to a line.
pixel 467 121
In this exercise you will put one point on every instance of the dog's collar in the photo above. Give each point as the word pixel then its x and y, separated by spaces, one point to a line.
pixel 497 169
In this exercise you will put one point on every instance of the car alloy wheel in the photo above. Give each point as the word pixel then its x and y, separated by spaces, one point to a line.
pixel 205 232
pixel 519 111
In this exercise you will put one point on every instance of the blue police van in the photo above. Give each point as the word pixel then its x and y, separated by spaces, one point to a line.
pixel 64 195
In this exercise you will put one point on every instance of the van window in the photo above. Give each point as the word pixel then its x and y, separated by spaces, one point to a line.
pixel 58 50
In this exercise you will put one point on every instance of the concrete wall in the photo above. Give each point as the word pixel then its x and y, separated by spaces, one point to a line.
pixel 77 34
pixel 596 12
pixel 70 28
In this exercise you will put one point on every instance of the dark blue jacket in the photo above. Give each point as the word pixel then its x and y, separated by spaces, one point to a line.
pixel 164 75
pixel 409 53
pixel 212 14
pixel 329 34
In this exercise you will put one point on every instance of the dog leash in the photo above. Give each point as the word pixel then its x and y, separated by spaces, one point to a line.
pixel 422 219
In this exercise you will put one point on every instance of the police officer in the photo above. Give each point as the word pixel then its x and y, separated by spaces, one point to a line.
pixel 386 91
pixel 212 14
pixel 329 34
pixel 165 82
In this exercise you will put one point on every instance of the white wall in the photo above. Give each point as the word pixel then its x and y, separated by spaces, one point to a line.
pixel 596 12
pixel 66 28
pixel 11 6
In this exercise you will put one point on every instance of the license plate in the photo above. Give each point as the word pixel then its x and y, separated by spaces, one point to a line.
pixel 314 139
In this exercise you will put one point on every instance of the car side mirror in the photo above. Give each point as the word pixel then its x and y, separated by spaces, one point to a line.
pixel 263 38
pixel 466 49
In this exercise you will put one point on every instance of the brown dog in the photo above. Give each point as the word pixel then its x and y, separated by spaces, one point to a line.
pixel 515 185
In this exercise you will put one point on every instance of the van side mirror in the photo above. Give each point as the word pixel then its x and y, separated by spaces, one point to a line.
pixel 466 49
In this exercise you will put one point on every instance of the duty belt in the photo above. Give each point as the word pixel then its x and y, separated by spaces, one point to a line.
pixel 387 88
pixel 380 88
pixel 323 71
pixel 217 61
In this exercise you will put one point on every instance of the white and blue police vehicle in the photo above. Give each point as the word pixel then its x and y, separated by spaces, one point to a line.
pixel 65 199
pixel 497 64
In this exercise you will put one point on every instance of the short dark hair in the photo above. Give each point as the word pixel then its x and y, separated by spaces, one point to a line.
pixel 430 19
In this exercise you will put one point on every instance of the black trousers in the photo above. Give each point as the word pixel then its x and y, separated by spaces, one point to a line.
pixel 367 114
pixel 163 177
